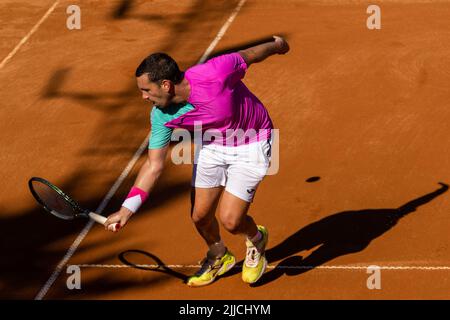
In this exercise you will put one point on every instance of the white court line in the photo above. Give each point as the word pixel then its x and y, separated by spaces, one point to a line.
pixel 178 266
pixel 221 32
pixel 124 174
pixel 25 39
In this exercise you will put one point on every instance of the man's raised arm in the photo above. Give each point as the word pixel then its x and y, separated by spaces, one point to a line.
pixel 261 52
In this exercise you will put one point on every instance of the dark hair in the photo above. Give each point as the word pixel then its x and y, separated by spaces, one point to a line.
pixel 160 66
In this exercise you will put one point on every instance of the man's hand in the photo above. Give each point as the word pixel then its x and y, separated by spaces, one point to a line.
pixel 282 45
pixel 121 217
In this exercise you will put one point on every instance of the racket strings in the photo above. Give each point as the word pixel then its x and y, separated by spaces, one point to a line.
pixel 54 201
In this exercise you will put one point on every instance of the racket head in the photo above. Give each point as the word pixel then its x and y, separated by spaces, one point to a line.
pixel 54 200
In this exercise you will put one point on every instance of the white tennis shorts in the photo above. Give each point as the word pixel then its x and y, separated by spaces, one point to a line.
pixel 239 169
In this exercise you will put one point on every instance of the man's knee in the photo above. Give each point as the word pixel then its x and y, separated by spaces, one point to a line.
pixel 201 216
pixel 231 223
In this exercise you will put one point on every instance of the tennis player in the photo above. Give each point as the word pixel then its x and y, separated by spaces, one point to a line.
pixel 233 158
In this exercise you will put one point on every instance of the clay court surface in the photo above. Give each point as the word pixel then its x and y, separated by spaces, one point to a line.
pixel 366 111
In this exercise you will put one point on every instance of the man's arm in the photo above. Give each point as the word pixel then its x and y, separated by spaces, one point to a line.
pixel 146 181
pixel 261 52
pixel 151 169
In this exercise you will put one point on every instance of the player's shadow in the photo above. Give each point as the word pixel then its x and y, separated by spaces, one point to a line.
pixel 122 10
pixel 152 263
pixel 336 235
pixel 206 14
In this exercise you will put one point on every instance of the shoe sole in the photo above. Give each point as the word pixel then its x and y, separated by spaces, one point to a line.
pixel 224 269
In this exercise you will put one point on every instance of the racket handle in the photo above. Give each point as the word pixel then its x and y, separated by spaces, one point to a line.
pixel 101 219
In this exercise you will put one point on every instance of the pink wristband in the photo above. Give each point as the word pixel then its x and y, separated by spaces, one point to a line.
pixel 135 199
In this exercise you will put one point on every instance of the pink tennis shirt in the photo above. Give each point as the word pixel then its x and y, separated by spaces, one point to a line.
pixel 222 104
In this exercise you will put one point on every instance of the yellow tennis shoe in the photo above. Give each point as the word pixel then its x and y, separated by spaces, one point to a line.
pixel 212 268
pixel 255 260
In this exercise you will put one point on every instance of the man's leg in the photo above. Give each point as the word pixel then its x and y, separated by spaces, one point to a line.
pixel 245 172
pixel 204 203
pixel 218 259
pixel 233 216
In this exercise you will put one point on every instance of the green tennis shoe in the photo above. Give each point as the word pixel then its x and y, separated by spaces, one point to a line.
pixel 255 263
pixel 212 268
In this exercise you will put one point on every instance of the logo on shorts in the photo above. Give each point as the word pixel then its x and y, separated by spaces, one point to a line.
pixel 250 191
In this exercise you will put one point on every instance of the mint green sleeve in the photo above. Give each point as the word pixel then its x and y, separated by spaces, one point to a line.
pixel 160 134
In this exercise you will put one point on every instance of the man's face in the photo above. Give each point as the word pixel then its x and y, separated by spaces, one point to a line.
pixel 158 95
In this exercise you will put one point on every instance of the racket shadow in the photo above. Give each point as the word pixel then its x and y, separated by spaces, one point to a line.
pixel 155 264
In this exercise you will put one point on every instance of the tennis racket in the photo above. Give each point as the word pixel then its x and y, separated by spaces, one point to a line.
pixel 59 204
